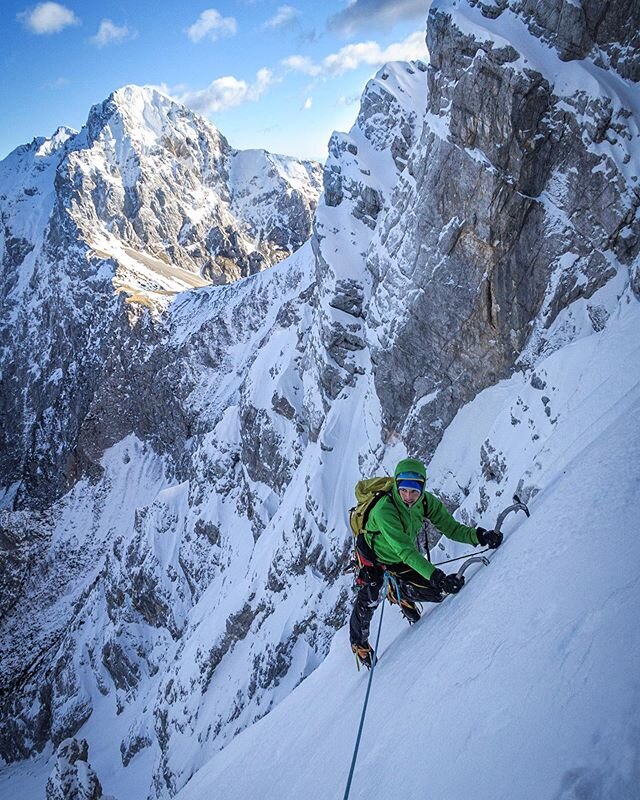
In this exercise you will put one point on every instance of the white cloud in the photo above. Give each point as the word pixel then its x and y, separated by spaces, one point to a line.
pixel 109 33
pixel 220 94
pixel 264 79
pixel 302 64
pixel 212 25
pixel 355 55
pixel 308 103
pixel 170 91
pixel 283 16
pixel 47 18
pixel 227 92
pixel 413 48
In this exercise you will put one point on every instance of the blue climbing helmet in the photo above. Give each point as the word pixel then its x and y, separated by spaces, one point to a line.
pixel 411 474
pixel 410 480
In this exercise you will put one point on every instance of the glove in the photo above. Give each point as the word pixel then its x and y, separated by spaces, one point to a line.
pixel 490 539
pixel 447 584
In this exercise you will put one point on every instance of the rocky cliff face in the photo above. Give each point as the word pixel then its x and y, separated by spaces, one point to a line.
pixel 481 213
pixel 73 776
pixel 607 33
pixel 543 210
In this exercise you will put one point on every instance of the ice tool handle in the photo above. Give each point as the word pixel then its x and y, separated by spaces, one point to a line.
pixel 518 505
pixel 473 560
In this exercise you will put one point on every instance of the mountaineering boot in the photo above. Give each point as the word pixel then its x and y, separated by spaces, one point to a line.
pixel 364 655
pixel 410 610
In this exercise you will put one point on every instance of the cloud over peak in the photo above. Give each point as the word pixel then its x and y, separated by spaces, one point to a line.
pixel 212 25
pixel 227 92
pixel 353 56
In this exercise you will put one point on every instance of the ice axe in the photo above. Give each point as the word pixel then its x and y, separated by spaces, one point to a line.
pixel 517 505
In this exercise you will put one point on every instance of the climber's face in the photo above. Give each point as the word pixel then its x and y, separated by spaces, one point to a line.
pixel 409 496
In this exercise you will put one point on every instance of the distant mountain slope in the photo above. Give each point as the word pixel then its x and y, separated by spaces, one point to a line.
pixel 147 174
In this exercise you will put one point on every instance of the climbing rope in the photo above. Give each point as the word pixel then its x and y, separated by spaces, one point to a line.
pixel 387 578
pixel 459 558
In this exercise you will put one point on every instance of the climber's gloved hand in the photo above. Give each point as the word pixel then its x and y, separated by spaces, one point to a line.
pixel 490 539
pixel 447 584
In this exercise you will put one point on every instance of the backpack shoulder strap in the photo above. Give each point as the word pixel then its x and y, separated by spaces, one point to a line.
pixel 425 504
pixel 379 496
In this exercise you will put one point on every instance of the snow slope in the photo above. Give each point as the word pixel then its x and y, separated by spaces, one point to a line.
pixel 526 684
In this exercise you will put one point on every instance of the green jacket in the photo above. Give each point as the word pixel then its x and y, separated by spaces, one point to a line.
pixel 392 528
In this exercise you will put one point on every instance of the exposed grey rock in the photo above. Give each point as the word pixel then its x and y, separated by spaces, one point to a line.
pixel 237 627
pixel 263 452
pixel 608 31
pixel 282 406
pixel 73 777
pixel 385 123
pixel 125 674
pixel 133 746
pixel 469 248
pixel 349 297
pixel 635 279
pixel 537 382
pixel 493 463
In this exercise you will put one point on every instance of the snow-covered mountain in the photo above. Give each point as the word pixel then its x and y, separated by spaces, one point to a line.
pixel 159 190
pixel 470 295
pixel 147 200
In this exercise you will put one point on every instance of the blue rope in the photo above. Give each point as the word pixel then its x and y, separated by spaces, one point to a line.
pixel 385 586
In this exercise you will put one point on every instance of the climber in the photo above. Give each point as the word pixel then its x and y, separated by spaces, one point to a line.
pixel 388 542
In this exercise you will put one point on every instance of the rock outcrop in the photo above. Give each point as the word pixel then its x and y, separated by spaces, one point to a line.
pixel 72 777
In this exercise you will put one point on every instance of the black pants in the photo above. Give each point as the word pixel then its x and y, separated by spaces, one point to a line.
pixel 412 585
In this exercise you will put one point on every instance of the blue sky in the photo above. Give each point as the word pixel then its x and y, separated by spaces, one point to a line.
pixel 278 75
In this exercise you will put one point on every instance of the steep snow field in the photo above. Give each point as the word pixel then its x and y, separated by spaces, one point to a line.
pixel 523 686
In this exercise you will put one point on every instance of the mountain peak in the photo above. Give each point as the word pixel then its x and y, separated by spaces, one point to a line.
pixel 134 95
pixel 145 115
pixel 56 141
